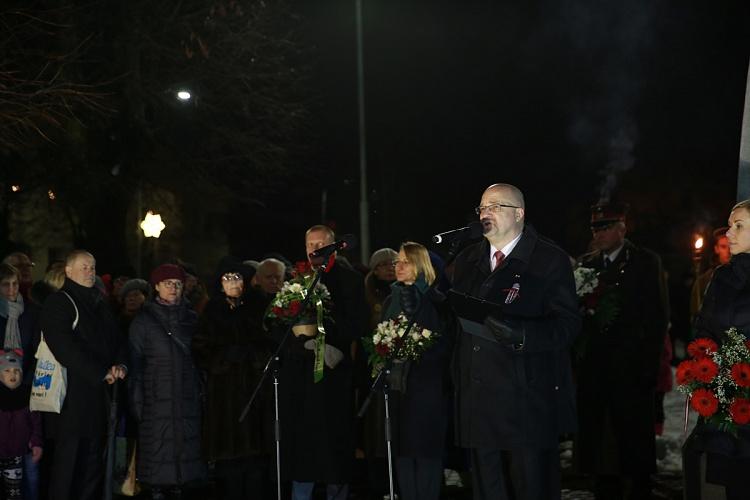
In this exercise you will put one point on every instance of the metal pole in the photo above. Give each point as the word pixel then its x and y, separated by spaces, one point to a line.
pixel 743 174
pixel 388 435
pixel 364 207
pixel 139 231
pixel 277 426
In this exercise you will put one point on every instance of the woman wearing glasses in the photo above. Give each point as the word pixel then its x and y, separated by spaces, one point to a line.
pixel 231 348
pixel 165 388
pixel 421 403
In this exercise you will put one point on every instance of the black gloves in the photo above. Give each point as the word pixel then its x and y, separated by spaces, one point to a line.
pixel 409 300
pixel 506 331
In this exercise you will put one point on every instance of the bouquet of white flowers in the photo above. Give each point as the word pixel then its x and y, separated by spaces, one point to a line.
pixel 390 341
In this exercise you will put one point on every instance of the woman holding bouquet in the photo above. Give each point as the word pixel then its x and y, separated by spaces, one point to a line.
pixel 421 403
pixel 726 305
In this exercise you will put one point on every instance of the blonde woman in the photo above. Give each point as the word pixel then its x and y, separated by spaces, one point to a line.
pixel 421 404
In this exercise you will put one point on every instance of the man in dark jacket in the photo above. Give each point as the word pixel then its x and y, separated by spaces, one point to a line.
pixel 317 418
pixel 618 360
pixel 514 389
pixel 78 326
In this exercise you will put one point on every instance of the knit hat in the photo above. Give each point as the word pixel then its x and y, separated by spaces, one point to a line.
pixel 135 284
pixel 167 272
pixel 383 255
pixel 11 359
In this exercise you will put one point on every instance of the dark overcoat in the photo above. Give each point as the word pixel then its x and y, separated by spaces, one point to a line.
pixel 511 397
pixel 726 305
pixel 165 395
pixel 616 370
pixel 317 418
pixel 88 352
pixel 420 411
pixel 232 348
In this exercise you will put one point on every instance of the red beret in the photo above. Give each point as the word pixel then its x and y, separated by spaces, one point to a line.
pixel 167 272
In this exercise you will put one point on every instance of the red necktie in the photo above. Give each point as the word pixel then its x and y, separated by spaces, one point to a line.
pixel 498 259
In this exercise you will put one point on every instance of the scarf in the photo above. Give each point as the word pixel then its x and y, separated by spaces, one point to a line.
pixel 12 311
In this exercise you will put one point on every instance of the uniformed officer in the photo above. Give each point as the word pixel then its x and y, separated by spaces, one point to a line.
pixel 616 369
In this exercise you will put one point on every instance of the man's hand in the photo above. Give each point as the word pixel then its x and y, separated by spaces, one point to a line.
pixel 36 454
pixel 505 332
pixel 115 372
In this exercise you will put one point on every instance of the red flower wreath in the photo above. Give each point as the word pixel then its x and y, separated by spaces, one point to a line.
pixel 741 374
pixel 740 411
pixel 702 347
pixel 704 402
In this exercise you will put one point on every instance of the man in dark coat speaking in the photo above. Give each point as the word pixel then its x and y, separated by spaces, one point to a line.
pixel 514 389
pixel 82 334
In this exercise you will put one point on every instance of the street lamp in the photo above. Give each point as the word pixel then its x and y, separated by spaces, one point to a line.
pixel 697 254
pixel 152 225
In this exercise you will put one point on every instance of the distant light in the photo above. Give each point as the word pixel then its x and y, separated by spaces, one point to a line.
pixel 15 188
pixel 184 95
pixel 152 225
pixel 699 243
pixel 51 194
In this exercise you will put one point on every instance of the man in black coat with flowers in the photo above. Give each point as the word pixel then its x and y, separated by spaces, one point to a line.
pixel 317 417
pixel 617 360
pixel 514 389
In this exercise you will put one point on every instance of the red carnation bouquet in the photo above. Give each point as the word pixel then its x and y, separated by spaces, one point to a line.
pixel 717 380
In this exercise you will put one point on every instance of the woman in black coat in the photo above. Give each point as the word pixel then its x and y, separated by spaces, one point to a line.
pixel 232 348
pixel 421 401
pixel 165 387
pixel 726 305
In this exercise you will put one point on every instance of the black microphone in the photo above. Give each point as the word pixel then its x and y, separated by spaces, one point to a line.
pixel 348 241
pixel 475 229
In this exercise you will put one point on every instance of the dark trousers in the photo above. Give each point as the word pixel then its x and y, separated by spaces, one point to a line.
pixel 241 478
pixel 516 474
pixel 77 468
pixel 419 478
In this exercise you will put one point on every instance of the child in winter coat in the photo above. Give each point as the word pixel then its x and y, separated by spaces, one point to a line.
pixel 20 429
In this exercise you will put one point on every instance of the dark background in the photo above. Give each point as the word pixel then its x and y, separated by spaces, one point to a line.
pixel 572 101
pixel 553 97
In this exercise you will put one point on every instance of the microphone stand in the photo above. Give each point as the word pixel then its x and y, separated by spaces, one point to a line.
pixel 274 359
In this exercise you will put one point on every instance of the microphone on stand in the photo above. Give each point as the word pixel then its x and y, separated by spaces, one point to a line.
pixel 321 255
pixel 474 230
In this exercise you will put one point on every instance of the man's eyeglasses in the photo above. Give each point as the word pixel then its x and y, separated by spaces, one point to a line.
pixel 493 208
pixel 176 284
pixel 231 277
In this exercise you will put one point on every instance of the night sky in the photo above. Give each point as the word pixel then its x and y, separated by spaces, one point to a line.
pixel 571 101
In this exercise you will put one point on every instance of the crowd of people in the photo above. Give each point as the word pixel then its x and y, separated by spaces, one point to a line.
pixel 521 359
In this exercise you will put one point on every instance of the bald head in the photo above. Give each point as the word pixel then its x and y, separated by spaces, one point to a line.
pixel 509 192
pixel 270 275
pixel 501 211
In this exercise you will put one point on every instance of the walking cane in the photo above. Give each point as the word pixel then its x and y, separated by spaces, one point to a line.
pixel 110 465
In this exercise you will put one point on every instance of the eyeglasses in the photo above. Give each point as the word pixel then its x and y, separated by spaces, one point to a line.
pixel 176 284
pixel 398 262
pixel 493 208
pixel 231 277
